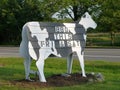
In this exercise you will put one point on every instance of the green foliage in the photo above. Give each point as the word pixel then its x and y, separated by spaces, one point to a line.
pixel 110 18
pixel 14 14
pixel 77 7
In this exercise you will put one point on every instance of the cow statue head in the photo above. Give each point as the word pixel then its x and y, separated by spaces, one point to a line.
pixel 87 21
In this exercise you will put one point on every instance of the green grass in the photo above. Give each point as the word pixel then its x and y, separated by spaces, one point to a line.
pixel 12 69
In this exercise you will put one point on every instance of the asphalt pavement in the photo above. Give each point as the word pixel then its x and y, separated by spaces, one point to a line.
pixel 90 53
pixel 102 54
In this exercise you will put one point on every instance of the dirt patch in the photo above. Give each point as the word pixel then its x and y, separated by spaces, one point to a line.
pixel 2 65
pixel 57 81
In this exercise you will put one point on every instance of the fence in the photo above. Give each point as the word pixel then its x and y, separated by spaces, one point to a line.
pixel 103 39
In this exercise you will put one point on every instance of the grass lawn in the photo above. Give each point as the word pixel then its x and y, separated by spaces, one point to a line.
pixel 12 69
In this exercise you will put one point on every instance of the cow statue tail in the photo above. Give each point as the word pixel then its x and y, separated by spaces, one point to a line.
pixel 24 43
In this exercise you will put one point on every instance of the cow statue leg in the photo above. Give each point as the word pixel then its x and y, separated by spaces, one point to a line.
pixel 81 60
pixel 69 63
pixel 27 63
pixel 40 64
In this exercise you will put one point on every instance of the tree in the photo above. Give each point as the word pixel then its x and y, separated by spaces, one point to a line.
pixel 14 14
pixel 8 21
pixel 110 17
pixel 78 8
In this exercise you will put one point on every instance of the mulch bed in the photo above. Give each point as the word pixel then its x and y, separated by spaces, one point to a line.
pixel 56 81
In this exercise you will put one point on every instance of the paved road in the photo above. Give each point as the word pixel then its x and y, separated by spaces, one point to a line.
pixel 9 52
pixel 90 53
pixel 102 54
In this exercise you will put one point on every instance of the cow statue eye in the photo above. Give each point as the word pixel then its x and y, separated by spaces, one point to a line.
pixel 84 16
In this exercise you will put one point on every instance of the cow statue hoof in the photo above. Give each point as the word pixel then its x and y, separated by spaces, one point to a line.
pixel 30 80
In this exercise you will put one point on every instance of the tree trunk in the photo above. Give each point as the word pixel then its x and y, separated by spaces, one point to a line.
pixel 75 13
pixel 112 38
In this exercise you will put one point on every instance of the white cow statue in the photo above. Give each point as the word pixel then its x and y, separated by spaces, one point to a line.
pixel 42 39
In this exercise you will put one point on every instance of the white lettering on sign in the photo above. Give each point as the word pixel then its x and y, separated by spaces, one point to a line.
pixel 46 43
pixel 60 29
pixel 61 37
pixel 64 35
pixel 69 43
